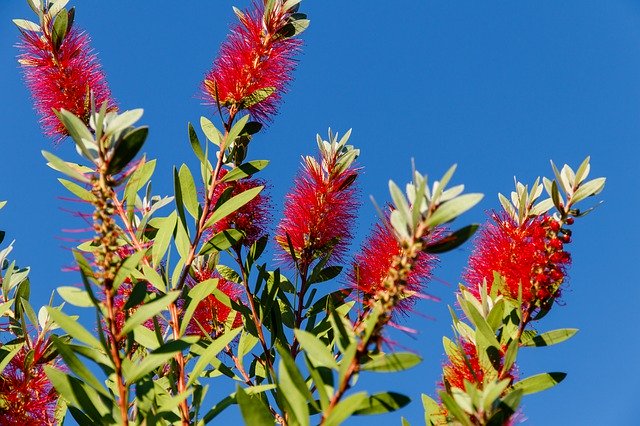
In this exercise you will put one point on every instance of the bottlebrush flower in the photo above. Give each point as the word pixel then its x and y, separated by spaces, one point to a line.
pixel 252 218
pixel 255 64
pixel 320 209
pixel 62 78
pixel 532 254
pixel 27 397
pixel 211 313
pixel 374 262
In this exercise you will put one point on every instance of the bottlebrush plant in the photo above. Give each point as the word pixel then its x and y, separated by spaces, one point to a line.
pixel 176 293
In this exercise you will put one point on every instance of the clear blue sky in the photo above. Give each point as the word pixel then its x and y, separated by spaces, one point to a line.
pixel 498 87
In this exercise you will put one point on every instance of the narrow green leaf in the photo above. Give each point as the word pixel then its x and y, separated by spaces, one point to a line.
pixel 77 366
pixel 549 338
pixel 77 190
pixel 163 238
pixel 384 402
pixel 149 310
pixel 244 170
pixel 453 208
pixel 127 148
pixel 345 408
pixel 452 241
pixel 196 295
pixel 222 241
pixel 398 361
pixel 253 410
pixel 211 352
pixel 189 192
pixel 233 204
pixel 539 382
pixel 593 187
pixel 75 296
pixel 67 168
pixel 195 144
pixel 73 327
pixel 316 350
pixel 80 395
pixel 27 25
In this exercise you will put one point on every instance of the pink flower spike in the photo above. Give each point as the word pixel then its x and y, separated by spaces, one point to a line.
pixel 62 78
pixel 255 64
pixel 320 210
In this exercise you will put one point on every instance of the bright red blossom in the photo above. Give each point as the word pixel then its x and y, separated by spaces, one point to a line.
pixel 531 253
pixel 62 78
pixel 319 212
pixel 211 314
pixel 27 397
pixel 373 262
pixel 253 61
pixel 252 218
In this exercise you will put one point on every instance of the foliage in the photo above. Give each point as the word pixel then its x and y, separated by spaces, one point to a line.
pixel 180 295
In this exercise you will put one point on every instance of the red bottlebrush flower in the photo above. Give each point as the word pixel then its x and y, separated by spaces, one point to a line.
pixel 27 397
pixel 62 78
pixel 530 254
pixel 255 64
pixel 211 313
pixel 251 219
pixel 319 211
pixel 122 296
pixel 372 265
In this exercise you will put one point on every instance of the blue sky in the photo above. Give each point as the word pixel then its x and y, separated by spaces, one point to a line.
pixel 498 87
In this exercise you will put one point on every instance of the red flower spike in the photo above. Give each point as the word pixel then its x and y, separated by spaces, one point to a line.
pixel 211 313
pixel 319 211
pixel 62 78
pixel 530 253
pixel 252 218
pixel 255 64
pixel 372 264
pixel 27 397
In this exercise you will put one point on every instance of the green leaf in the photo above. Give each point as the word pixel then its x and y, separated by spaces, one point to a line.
pixel 451 209
pixel 211 352
pixel 60 26
pixel 196 295
pixel 163 238
pixel 127 148
pixel 244 170
pixel 381 403
pixel 73 327
pixel 253 410
pixel 233 204
pixel 454 409
pixel 210 131
pixel 75 296
pixel 593 187
pixel 345 408
pixel 124 120
pixel 77 366
pixel 398 361
pixel 27 25
pixel 80 395
pixel 77 190
pixel 67 168
pixel 149 310
pixel 293 387
pixel 195 144
pixel 189 192
pixel 549 338
pixel 235 131
pixel 258 96
pixel 539 382
pixel 160 356
pixel 452 241
pixel 316 350
pixel 222 241
pixel 9 356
